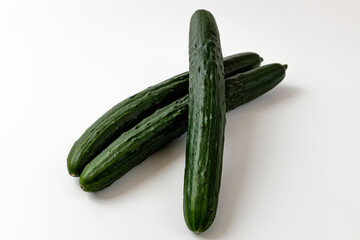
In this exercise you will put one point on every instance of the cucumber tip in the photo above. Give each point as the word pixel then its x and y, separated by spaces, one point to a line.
pixel 285 66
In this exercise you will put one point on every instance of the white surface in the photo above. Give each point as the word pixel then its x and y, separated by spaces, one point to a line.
pixel 291 161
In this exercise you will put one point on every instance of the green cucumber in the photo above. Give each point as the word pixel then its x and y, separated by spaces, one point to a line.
pixel 132 110
pixel 166 124
pixel 206 123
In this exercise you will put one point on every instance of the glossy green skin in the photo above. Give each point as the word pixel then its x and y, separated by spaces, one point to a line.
pixel 131 111
pixel 206 123
pixel 244 87
pixel 133 146
pixel 204 146
pixel 166 124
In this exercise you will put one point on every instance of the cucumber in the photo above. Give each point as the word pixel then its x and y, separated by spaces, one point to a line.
pixel 206 123
pixel 132 110
pixel 166 124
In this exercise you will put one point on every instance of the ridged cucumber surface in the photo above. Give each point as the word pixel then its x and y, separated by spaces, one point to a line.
pixel 166 124
pixel 132 110
pixel 206 123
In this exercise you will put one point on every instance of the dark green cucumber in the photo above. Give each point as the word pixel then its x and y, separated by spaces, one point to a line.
pixel 206 123
pixel 132 110
pixel 166 124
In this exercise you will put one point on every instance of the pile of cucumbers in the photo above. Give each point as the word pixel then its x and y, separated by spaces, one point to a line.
pixel 194 101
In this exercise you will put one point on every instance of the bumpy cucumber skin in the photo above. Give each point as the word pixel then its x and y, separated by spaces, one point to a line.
pixel 253 84
pixel 132 110
pixel 206 123
pixel 121 118
pixel 133 146
pixel 241 62
pixel 166 124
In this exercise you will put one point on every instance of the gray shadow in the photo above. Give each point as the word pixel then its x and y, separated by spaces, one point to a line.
pixel 238 143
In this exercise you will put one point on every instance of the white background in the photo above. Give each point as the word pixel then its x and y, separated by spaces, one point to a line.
pixel 291 160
